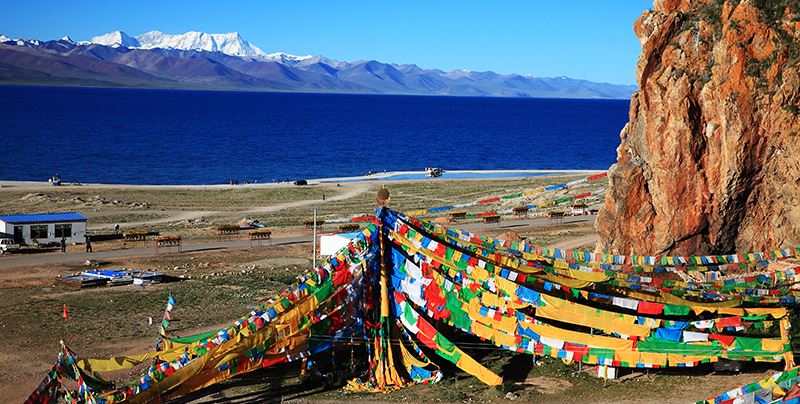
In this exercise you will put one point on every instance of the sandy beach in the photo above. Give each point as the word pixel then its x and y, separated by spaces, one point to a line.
pixel 383 176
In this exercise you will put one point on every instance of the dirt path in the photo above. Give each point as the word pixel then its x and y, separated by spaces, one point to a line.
pixel 357 189
pixel 179 216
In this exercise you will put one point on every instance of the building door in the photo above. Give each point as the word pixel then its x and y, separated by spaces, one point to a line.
pixel 18 239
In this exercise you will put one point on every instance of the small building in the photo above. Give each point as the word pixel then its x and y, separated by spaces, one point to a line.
pixel 45 227
pixel 330 244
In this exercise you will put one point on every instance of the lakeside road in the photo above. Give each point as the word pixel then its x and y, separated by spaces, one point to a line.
pixel 394 176
pixel 50 258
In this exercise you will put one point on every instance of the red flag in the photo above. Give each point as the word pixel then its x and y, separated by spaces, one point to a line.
pixel 66 315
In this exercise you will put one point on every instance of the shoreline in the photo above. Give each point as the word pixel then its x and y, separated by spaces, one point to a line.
pixel 393 176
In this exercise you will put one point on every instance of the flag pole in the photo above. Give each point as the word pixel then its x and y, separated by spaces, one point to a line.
pixel 314 242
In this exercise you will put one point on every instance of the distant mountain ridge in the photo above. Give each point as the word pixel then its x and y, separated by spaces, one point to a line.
pixel 230 44
pixel 198 60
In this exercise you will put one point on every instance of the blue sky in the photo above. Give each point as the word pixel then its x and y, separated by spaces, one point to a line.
pixel 586 39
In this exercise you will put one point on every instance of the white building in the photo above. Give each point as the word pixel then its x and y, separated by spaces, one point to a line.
pixel 330 244
pixel 44 227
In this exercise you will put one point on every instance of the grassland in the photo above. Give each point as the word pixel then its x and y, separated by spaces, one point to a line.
pixel 197 212
pixel 219 286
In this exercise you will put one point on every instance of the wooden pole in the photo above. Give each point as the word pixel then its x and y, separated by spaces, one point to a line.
pixel 314 240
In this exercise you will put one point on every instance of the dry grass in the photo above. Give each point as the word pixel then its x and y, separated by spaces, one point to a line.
pixel 99 199
pixel 197 212
pixel 110 321
pixel 219 288
pixel 226 285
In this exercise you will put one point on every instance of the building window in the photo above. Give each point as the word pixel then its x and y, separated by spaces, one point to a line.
pixel 38 231
pixel 63 230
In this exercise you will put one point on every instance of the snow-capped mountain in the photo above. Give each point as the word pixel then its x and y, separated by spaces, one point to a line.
pixel 284 57
pixel 21 41
pixel 116 38
pixel 231 43
pixel 320 60
pixel 198 60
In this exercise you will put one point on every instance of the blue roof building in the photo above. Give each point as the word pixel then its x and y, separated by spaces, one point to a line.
pixel 27 218
pixel 32 228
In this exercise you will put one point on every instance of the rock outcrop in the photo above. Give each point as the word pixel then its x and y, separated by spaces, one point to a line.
pixel 709 161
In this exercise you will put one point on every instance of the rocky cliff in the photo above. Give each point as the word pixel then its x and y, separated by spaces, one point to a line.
pixel 709 161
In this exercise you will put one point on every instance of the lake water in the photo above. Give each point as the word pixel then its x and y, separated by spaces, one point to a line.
pixel 206 137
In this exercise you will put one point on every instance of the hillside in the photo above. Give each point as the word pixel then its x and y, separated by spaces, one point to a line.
pixel 710 160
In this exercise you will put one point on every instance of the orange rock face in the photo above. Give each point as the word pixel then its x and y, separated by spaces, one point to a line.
pixel 709 161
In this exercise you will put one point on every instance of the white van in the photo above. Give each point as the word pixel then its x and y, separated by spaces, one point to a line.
pixel 8 245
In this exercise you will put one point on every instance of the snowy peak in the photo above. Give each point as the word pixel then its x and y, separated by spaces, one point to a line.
pixel 284 57
pixel 231 43
pixel 21 41
pixel 187 59
pixel 303 61
pixel 67 39
pixel 116 38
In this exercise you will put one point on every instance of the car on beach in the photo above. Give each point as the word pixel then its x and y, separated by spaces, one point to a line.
pixel 433 172
pixel 8 245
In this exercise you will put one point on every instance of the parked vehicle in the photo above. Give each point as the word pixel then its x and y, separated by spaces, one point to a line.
pixel 8 245
pixel 433 172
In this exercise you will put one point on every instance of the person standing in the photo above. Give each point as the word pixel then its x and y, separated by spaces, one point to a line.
pixel 88 244
pixel 63 245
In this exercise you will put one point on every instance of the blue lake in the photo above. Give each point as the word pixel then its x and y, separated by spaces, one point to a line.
pixel 207 137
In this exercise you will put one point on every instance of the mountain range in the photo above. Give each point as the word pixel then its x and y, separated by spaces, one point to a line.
pixel 198 60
